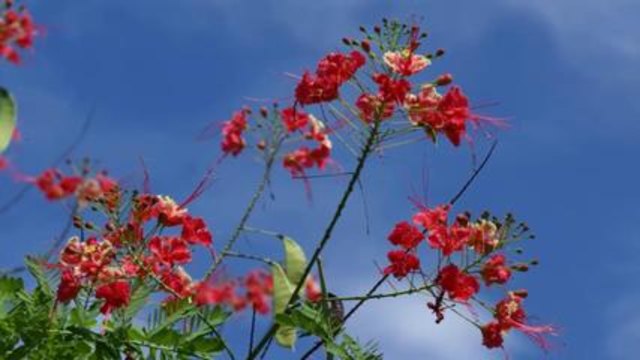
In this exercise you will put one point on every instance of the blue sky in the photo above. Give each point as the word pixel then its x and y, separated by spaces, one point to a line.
pixel 564 72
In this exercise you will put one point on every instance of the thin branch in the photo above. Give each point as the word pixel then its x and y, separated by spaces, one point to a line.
pixel 475 173
pixel 249 209
pixel 366 151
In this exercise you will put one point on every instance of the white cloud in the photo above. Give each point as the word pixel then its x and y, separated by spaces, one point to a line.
pixel 592 33
pixel 405 329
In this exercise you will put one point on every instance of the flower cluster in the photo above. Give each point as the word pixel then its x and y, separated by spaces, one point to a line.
pixel 139 250
pixel 55 185
pixel 332 71
pixel 17 31
pixel 258 287
pixel 478 242
pixel 394 67
pixel 304 157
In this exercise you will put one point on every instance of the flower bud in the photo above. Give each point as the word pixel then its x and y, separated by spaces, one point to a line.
pixel 444 79
pixel 521 293
pixel 366 47
pixel 520 267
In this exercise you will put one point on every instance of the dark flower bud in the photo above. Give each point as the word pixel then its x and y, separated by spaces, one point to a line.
pixel 444 79
pixel 366 47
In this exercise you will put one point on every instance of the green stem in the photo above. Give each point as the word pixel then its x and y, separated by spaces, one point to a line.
pixel 385 295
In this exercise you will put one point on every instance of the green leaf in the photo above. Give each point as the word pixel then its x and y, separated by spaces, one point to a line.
pixel 37 271
pixel 7 118
pixel 204 344
pixel 282 289
pixel 177 311
pixel 166 337
pixel 295 260
pixel 282 292
pixel 214 317
pixel 139 299
pixel 286 336
pixel 9 288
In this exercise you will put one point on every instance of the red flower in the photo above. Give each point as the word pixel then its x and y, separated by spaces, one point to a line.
pixel 304 158
pixel 492 335
pixel 195 231
pixel 16 29
pixel 449 239
pixel 373 107
pixel 454 107
pixel 406 235
pixel 459 285
pixel 48 183
pixel 432 218
pixel 232 142
pixel 402 263
pixel 313 90
pixel 510 315
pixel 210 294
pixel 70 184
pixel 339 67
pixel 115 295
pixel 313 292
pixel 106 183
pixel 69 286
pixel 391 90
pixel 509 312
pixel 178 281
pixel 72 253
pixel 170 251
pixel 294 119
pixel 446 114
pixel 259 287
pixel 297 161
pixel 4 163
pixel 494 270
pixel 333 70
pixel 168 212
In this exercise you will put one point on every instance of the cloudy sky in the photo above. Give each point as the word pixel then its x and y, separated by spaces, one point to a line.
pixel 563 72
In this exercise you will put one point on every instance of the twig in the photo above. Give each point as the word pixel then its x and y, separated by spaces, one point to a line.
pixel 249 209
pixel 373 134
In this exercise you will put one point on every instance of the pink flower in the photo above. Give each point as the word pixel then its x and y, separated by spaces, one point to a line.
pixel 405 63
